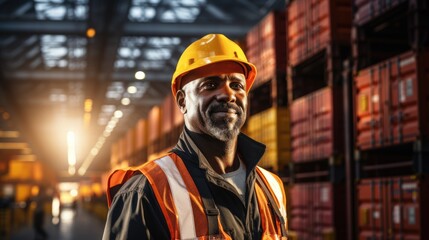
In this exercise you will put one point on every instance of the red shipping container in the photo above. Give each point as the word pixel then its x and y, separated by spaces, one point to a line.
pixel 391 101
pixel 315 24
pixel 130 148
pixel 167 114
pixel 317 211
pixel 154 129
pixel 316 125
pixel 141 134
pixel 393 208
pixel 366 10
pixel 266 46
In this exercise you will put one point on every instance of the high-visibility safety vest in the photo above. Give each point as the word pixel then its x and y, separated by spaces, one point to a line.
pixel 183 207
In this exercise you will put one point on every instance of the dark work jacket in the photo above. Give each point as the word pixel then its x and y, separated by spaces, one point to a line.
pixel 135 212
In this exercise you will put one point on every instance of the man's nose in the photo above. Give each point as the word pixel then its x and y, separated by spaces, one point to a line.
pixel 226 93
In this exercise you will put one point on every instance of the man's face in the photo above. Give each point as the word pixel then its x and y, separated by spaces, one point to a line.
pixel 216 105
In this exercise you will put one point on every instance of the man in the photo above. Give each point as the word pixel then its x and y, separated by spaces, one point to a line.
pixel 208 187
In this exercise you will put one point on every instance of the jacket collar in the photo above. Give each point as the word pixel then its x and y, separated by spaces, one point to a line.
pixel 249 150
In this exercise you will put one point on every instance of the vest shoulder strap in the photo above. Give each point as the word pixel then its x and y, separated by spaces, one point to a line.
pixel 270 184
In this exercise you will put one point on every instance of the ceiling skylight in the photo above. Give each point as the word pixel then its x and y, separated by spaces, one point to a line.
pixel 61 9
pixel 168 11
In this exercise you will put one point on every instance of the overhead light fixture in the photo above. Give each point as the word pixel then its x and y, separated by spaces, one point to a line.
pixel 90 32
pixel 140 75
pixel 118 114
pixel 132 89
pixel 125 101
pixel 71 146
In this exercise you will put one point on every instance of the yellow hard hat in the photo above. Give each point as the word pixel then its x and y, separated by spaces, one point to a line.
pixel 211 49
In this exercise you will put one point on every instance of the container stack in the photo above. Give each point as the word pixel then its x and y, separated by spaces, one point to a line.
pixel 318 42
pixel 268 120
pixel 391 72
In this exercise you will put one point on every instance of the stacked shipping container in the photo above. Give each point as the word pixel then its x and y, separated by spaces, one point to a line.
pixel 391 73
pixel 269 116
pixel 318 41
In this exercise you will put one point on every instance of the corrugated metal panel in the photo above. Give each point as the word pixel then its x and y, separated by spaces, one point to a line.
pixel 130 146
pixel 141 133
pixel 317 211
pixel 393 208
pixel 271 127
pixel 315 24
pixel 154 129
pixel 167 114
pixel 315 131
pixel 266 46
pixel 391 100
pixel 154 124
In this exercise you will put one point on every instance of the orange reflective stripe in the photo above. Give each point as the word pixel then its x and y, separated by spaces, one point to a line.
pixel 162 191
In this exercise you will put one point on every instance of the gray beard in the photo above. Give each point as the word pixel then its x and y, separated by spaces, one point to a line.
pixel 223 131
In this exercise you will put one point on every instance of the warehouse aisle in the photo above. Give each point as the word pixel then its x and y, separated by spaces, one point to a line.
pixel 75 225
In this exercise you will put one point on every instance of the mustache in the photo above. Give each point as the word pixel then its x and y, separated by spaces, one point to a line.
pixel 224 107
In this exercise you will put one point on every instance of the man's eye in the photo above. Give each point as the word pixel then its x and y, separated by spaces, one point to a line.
pixel 210 85
pixel 237 85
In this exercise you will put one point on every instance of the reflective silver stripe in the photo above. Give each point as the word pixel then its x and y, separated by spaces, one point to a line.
pixel 274 185
pixel 181 198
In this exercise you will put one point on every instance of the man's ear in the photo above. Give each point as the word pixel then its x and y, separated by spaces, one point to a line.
pixel 181 101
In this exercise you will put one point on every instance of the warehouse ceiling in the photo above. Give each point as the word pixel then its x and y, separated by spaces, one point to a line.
pixel 70 65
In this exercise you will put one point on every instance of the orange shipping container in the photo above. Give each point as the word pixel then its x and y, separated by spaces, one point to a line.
pixel 315 24
pixel 391 101
pixel 317 211
pixel 393 208
pixel 154 124
pixel 167 114
pixel 141 134
pixel 266 46
pixel 316 125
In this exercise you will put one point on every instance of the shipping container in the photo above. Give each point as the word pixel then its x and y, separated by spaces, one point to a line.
pixel 317 211
pixel 315 24
pixel 393 208
pixel 316 126
pixel 266 46
pixel 271 127
pixel 167 123
pixel 141 133
pixel 154 129
pixel 391 101
pixel 130 146
pixel 384 29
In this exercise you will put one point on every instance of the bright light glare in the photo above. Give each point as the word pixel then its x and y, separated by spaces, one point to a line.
pixel 71 146
pixel 140 75
pixel 125 101
pixel 118 114
pixel 55 207
pixel 73 192
pixel 132 89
